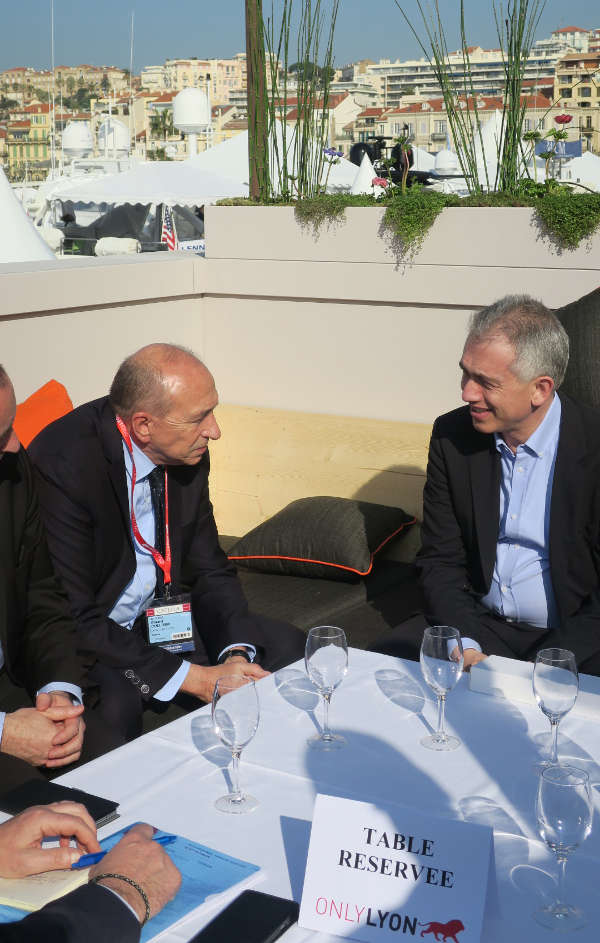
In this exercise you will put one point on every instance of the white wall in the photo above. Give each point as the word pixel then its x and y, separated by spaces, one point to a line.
pixel 311 331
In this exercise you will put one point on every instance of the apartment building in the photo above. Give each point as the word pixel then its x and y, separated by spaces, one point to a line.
pixel 576 37
pixel 342 111
pixel 427 123
pixel 107 78
pixel 394 79
pixel 220 76
pixel 29 140
pixel 577 87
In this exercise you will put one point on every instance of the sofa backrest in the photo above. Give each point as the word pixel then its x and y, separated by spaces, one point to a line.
pixel 269 457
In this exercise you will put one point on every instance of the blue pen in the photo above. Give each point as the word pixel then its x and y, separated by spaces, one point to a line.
pixel 87 860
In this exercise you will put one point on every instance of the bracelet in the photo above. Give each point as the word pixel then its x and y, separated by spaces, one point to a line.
pixel 123 877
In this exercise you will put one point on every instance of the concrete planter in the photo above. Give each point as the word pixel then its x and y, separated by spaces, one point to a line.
pixel 470 236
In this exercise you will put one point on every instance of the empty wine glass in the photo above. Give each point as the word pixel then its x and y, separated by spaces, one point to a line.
pixel 555 685
pixel 326 658
pixel 442 666
pixel 564 816
pixel 235 715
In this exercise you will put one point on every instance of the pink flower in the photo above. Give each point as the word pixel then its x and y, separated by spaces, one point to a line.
pixel 563 119
pixel 379 182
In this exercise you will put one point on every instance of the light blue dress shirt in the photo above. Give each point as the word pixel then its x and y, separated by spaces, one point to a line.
pixel 521 588
pixel 139 592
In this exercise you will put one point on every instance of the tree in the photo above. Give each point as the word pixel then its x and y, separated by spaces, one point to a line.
pixel 307 71
pixel 105 84
pixel 162 124
pixel 258 148
pixel 70 85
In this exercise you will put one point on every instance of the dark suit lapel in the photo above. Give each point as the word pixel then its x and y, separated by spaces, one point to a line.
pixel 566 489
pixel 484 468
pixel 112 445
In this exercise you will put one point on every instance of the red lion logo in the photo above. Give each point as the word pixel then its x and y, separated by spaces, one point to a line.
pixel 443 931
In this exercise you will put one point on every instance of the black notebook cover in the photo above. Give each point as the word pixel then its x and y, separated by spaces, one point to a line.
pixel 41 792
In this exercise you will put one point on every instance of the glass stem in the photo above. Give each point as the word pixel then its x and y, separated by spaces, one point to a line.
pixel 554 750
pixel 236 792
pixel 326 735
pixel 560 891
pixel 440 732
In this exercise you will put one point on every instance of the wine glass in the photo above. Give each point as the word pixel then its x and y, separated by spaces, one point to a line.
pixel 564 815
pixel 442 666
pixel 326 658
pixel 235 715
pixel 555 685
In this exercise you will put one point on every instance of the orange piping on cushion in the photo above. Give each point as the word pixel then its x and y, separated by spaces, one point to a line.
pixel 337 566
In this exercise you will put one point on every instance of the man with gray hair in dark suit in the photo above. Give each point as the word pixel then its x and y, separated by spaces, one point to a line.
pixel 511 522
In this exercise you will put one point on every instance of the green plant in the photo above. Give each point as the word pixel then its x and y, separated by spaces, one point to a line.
pixel 569 217
pixel 409 216
pixel 298 157
pixel 515 24
pixel 532 137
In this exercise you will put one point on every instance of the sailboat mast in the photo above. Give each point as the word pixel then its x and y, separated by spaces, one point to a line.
pixel 53 120
pixel 131 121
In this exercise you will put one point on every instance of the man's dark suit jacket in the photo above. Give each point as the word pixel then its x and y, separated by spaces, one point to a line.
pixel 91 914
pixel 83 494
pixel 36 628
pixel 461 520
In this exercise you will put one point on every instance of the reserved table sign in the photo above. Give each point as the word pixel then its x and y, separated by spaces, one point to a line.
pixel 384 872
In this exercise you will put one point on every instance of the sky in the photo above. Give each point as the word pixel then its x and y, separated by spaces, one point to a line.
pixel 98 33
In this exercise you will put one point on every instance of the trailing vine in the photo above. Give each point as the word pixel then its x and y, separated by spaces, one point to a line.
pixel 569 217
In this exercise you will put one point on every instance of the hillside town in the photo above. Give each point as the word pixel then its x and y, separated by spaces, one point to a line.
pixel 48 117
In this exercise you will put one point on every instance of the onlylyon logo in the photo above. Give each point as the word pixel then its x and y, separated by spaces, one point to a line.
pixel 443 931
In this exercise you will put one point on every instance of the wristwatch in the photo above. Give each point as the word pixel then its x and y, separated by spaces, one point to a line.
pixel 232 652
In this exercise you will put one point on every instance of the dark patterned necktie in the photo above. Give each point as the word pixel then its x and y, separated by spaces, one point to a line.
pixel 156 479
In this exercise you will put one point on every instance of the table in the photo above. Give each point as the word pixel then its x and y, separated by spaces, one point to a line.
pixel 172 776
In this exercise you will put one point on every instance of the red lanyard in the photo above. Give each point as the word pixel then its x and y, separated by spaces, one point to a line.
pixel 163 562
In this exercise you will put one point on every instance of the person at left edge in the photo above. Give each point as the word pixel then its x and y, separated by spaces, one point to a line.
pixel 41 674
pixel 160 412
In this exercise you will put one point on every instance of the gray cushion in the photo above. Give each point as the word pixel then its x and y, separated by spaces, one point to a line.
pixel 581 321
pixel 325 537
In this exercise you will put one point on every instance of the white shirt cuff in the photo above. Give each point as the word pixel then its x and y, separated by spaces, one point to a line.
pixel 170 689
pixel 466 643
pixel 245 645
pixel 122 899
pixel 2 719
pixel 71 689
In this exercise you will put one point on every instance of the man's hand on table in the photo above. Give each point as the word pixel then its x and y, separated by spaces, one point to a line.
pixel 69 726
pixel 31 733
pixel 472 657
pixel 21 852
pixel 137 857
pixel 200 680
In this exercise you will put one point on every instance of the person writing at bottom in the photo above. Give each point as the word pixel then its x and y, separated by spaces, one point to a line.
pixel 143 877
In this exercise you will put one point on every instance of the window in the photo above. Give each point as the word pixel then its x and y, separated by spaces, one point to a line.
pixel 527 124
pixel 566 93
pixel 585 92
pixel 422 127
pixel 541 124
pixel 440 127
pixel 588 122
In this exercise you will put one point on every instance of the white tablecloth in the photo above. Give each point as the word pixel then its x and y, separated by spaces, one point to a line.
pixel 172 776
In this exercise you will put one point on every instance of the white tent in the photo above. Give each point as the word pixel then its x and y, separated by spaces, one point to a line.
pixel 363 182
pixel 231 159
pixel 19 242
pixel 422 159
pixel 175 183
pixel 584 170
